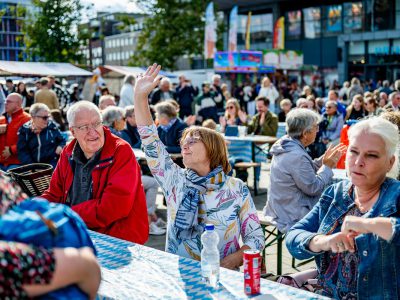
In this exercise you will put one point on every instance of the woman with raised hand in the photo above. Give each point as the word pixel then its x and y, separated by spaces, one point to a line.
pixel 201 192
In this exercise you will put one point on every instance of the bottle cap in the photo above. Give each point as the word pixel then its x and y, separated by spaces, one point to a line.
pixel 209 227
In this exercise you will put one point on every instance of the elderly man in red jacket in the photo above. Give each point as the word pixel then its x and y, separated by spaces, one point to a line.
pixel 99 177
pixel 10 123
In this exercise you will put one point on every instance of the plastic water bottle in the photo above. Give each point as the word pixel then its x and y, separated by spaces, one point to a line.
pixel 210 256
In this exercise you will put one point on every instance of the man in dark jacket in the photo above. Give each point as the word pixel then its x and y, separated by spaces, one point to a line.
pixel 185 94
pixel 205 105
pixel 39 140
pixel 170 127
pixel 164 92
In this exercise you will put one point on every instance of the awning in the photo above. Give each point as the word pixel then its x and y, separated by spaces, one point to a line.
pixel 121 71
pixel 40 69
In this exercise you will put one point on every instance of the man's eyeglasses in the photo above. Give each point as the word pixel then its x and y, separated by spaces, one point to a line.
pixel 44 118
pixel 190 141
pixel 86 128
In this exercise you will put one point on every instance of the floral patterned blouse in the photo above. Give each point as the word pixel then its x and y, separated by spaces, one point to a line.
pixel 230 207
pixel 19 263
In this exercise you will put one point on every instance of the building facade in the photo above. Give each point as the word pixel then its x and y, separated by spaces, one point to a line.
pixel 119 48
pixel 341 38
pixel 11 38
pixel 102 42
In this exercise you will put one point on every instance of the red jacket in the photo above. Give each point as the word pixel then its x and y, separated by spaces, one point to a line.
pixel 118 207
pixel 10 138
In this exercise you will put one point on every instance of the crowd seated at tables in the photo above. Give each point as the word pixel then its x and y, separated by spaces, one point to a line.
pixel 97 174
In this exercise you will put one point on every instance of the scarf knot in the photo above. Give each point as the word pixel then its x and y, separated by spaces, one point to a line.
pixel 186 221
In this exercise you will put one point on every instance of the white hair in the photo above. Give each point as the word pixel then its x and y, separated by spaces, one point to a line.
pixel 164 80
pixel 82 105
pixel 385 130
pixel 215 76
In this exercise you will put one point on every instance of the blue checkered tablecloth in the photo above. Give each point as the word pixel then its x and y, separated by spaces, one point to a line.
pixel 131 271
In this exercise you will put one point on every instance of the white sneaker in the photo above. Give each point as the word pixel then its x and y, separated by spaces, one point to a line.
pixel 154 230
pixel 161 223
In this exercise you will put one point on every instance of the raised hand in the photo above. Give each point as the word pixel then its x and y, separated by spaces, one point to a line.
pixel 242 116
pixel 333 154
pixel 147 82
pixel 222 121
pixel 190 120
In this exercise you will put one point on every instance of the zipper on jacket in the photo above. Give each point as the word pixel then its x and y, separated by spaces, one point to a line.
pixel 39 146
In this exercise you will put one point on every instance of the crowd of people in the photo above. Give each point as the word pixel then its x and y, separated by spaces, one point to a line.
pixel 97 175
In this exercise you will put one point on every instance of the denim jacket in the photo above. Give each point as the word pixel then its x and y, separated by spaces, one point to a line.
pixel 379 265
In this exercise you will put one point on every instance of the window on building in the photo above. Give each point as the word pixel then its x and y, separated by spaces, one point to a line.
pixel 312 22
pixel 383 14
pixel 261 29
pixel 332 20
pixel 293 24
pixel 353 15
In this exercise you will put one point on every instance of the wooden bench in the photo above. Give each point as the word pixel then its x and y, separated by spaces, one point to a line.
pixel 246 165
pixel 272 235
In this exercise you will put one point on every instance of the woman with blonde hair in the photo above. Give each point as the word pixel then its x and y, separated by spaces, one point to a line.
pixel 201 192
pixel 233 115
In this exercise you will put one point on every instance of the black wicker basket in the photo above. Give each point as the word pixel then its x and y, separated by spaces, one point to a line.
pixel 34 179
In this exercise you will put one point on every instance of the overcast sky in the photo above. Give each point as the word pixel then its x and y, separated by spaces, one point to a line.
pixel 112 5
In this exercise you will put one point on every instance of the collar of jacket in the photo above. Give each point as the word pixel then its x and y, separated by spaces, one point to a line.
pixel 14 114
pixel 107 152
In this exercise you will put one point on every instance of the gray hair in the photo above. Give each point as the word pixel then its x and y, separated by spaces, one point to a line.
pixel 166 109
pixel 392 95
pixel 386 131
pixel 104 98
pixel 82 105
pixel 112 114
pixel 334 103
pixel 129 79
pixel 129 111
pixel 299 121
pixel 37 107
pixel 301 101
pixel 216 76
pixel 164 80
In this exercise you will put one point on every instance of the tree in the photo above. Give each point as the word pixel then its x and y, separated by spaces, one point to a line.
pixel 50 30
pixel 174 28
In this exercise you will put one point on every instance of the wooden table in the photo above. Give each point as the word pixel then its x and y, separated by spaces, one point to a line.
pixel 140 155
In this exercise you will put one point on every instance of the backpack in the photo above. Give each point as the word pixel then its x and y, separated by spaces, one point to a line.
pixel 49 225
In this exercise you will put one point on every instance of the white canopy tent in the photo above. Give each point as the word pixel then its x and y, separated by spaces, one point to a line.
pixel 12 68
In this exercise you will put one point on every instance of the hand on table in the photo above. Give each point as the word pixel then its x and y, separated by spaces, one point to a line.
pixel 232 261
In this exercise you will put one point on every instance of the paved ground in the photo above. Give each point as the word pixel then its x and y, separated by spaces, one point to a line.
pixel 158 242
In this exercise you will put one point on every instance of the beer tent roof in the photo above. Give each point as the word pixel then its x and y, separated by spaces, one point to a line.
pixel 121 71
pixel 8 68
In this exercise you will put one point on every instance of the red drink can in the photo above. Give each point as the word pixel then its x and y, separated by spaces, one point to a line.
pixel 252 271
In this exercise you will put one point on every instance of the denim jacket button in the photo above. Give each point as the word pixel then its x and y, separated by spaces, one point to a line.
pixel 365 253
pixel 365 278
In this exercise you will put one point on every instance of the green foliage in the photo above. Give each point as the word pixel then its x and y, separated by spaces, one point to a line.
pixel 173 28
pixel 51 30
